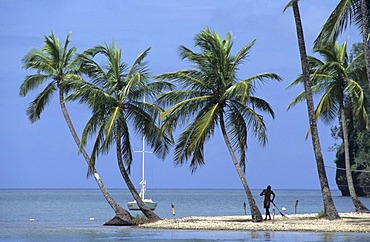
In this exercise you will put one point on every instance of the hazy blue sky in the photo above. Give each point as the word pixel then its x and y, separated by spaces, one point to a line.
pixel 43 155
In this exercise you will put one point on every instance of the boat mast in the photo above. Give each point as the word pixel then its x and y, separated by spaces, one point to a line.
pixel 143 182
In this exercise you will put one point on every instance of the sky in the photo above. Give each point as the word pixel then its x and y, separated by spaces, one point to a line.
pixel 43 154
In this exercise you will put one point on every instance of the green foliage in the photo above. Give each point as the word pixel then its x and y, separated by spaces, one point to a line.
pixel 139 219
pixel 359 140
pixel 55 63
pixel 321 214
pixel 335 78
pixel 211 93
pixel 116 95
pixel 345 13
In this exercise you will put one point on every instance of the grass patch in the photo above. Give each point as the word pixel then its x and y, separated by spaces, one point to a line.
pixel 139 219
pixel 321 214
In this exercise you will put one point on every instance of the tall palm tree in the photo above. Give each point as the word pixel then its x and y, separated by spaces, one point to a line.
pixel 115 96
pixel 333 77
pixel 58 64
pixel 348 12
pixel 213 95
pixel 329 207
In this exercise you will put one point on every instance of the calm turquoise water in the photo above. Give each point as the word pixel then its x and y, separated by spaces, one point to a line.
pixel 78 215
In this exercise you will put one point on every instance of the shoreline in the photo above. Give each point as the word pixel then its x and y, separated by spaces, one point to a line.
pixel 349 222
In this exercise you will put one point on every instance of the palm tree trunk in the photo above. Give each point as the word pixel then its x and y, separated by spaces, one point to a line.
pixel 255 212
pixel 329 207
pixel 359 206
pixel 152 216
pixel 365 36
pixel 122 217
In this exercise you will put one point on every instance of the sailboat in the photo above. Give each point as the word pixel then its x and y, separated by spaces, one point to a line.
pixel 148 202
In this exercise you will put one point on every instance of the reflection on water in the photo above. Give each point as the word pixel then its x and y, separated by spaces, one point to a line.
pixel 267 236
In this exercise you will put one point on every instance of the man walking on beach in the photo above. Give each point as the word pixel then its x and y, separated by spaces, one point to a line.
pixel 267 200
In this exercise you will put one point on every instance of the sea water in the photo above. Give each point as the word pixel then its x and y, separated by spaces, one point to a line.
pixel 78 215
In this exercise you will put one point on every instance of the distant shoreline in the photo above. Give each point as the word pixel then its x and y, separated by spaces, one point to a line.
pixel 164 189
pixel 349 222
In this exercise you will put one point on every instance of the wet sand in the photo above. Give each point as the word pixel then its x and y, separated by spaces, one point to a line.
pixel 349 222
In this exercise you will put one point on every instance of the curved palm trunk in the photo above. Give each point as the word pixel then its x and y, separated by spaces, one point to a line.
pixel 255 212
pixel 365 36
pixel 329 207
pixel 359 206
pixel 152 216
pixel 122 217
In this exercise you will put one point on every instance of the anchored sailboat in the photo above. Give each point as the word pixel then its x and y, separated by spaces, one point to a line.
pixel 148 202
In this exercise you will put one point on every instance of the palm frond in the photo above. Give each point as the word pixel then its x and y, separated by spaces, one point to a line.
pixel 262 105
pixel 126 145
pixel 36 107
pixel 360 101
pixel 191 141
pixel 237 130
pixel 40 61
pixel 32 82
pixel 110 127
pixel 337 22
pixel 290 4
pixel 187 79
pixel 242 55
pixel 328 105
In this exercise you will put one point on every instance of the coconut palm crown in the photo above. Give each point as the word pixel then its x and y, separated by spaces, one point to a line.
pixel 55 63
pixel 336 76
pixel 211 94
pixel 115 95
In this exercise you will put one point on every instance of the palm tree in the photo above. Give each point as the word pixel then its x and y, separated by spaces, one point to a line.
pixel 334 78
pixel 345 13
pixel 58 64
pixel 329 207
pixel 213 95
pixel 115 97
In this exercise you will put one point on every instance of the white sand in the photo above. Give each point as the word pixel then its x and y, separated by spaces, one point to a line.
pixel 349 222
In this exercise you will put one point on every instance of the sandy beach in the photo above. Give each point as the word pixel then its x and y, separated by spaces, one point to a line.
pixel 349 222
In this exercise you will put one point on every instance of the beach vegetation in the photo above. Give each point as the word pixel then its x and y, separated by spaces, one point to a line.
pixel 115 94
pixel 346 13
pixel 351 13
pixel 321 214
pixel 359 142
pixel 56 66
pixel 140 219
pixel 211 95
pixel 329 207
pixel 334 79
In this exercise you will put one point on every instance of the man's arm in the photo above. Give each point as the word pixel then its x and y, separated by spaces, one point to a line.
pixel 263 192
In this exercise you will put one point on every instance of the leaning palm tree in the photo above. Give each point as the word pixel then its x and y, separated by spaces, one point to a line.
pixel 115 96
pixel 355 12
pixel 334 78
pixel 213 95
pixel 329 207
pixel 59 64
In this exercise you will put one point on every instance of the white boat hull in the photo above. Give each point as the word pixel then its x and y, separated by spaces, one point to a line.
pixel 148 202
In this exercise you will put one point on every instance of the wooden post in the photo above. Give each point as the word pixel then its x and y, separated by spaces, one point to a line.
pixel 173 210
pixel 295 206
